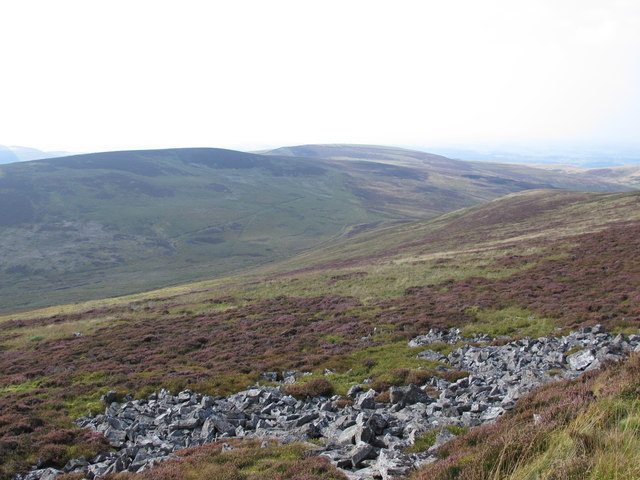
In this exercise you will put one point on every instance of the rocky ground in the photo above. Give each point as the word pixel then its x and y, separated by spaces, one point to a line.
pixel 367 439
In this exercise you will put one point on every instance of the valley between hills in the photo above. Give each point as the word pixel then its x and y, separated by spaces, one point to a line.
pixel 106 224
pixel 320 265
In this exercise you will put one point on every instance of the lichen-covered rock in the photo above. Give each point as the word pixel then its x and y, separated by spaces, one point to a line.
pixel 581 360
pixel 366 400
pixel 408 395
pixel 431 355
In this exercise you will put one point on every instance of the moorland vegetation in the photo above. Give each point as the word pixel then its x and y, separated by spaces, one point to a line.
pixel 530 264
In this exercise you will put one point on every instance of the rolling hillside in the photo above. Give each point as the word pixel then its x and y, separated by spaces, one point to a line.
pixel 530 264
pixel 120 222
pixel 105 224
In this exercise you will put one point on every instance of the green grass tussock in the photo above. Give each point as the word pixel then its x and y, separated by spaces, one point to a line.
pixel 23 387
pixel 423 442
pixel 510 322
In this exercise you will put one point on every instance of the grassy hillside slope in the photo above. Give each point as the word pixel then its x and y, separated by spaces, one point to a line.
pixel 105 224
pixel 113 223
pixel 529 264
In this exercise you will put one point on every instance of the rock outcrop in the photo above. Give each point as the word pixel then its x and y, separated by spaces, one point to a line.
pixel 368 439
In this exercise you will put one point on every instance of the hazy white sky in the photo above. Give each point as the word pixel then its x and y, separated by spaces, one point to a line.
pixel 88 75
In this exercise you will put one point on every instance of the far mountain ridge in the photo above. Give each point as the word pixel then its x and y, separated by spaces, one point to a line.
pixel 491 166
pixel 625 175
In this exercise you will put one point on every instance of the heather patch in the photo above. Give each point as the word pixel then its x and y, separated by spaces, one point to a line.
pixel 248 460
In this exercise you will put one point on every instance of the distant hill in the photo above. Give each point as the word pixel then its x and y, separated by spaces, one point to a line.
pixel 103 224
pixel 579 156
pixel 379 153
pixel 7 155
pixel 543 175
pixel 627 175
pixel 20 154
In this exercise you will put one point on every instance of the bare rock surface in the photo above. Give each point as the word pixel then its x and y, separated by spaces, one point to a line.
pixel 367 439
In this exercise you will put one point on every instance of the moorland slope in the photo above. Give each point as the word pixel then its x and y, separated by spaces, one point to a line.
pixel 528 264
